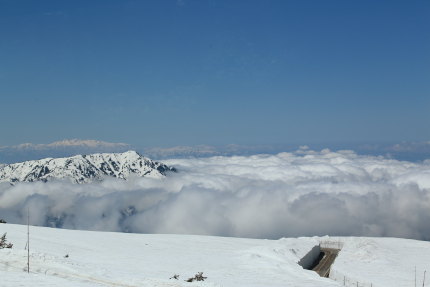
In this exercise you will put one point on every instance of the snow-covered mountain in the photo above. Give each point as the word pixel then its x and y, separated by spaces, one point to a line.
pixel 84 168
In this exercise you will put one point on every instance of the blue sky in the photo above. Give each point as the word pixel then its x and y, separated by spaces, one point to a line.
pixel 166 73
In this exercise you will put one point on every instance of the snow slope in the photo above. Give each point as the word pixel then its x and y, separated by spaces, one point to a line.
pixel 124 259
pixel 84 168
pixel 382 262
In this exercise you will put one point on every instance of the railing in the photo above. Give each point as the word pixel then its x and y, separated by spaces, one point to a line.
pixel 331 244
pixel 347 281
pixel 339 277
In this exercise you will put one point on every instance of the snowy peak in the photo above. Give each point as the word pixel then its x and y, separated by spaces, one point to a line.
pixel 84 168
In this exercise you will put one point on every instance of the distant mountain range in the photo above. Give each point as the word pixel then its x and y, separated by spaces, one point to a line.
pixel 84 168
pixel 411 151
pixel 63 148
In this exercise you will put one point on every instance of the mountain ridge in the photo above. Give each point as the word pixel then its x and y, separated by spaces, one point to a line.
pixel 84 168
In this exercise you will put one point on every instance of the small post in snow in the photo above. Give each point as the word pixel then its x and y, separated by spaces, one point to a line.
pixel 424 279
pixel 28 240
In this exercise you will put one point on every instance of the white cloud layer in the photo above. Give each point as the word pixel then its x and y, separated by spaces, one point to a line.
pixel 262 196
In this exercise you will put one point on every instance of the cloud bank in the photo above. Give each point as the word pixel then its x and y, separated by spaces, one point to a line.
pixel 304 193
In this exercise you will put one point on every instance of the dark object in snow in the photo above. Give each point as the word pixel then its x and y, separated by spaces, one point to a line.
pixel 3 242
pixel 2 221
pixel 176 276
pixel 198 277
pixel 66 256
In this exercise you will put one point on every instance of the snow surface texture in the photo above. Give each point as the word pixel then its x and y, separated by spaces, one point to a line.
pixel 374 262
pixel 122 259
pixel 84 168
pixel 305 193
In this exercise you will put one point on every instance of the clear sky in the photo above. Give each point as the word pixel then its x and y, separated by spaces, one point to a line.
pixel 188 72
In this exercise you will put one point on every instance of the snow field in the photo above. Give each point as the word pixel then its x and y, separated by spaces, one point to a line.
pixel 123 259
pixel 381 262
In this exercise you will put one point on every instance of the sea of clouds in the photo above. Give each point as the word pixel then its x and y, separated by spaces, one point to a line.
pixel 304 193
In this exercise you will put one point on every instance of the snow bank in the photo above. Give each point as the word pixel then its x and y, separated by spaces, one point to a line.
pixel 381 262
pixel 121 259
